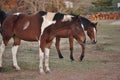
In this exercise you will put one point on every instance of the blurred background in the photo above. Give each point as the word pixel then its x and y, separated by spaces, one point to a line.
pixel 93 9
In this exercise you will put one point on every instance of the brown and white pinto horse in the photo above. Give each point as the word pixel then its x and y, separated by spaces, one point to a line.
pixel 31 28
pixel 22 27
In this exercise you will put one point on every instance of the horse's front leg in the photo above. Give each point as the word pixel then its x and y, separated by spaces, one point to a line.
pixel 2 48
pixel 47 51
pixel 71 47
pixel 41 56
pixel 82 46
pixel 57 44
pixel 83 51
pixel 14 53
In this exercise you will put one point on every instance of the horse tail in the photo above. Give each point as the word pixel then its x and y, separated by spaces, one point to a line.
pixel 9 21
pixel 2 16
pixel 16 18
pixel 0 29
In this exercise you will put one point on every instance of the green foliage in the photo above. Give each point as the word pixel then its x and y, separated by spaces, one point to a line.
pixel 114 2
pixel 105 5
pixel 100 3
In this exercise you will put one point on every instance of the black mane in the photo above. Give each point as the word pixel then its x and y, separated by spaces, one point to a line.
pixel 58 17
pixel 42 13
pixel 85 21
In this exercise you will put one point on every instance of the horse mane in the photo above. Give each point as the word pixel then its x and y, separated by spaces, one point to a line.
pixel 85 21
pixel 58 16
pixel 42 13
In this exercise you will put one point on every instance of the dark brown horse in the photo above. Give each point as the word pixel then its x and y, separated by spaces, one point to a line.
pixel 69 29
pixel 88 26
pixel 31 28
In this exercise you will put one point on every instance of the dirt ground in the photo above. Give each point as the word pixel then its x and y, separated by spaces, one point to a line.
pixel 107 73
pixel 101 62
pixel 62 75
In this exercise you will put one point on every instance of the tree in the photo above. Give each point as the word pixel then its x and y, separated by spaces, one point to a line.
pixel 103 5
pixel 100 3
pixel 31 6
pixel 7 5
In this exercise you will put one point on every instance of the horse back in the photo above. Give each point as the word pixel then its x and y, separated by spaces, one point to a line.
pixel 26 27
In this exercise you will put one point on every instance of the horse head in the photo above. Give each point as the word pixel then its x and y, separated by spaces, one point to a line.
pixel 92 32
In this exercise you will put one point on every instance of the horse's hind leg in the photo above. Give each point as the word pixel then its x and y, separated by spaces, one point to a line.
pixel 83 50
pixel 57 44
pixel 14 52
pixel 2 48
pixel 71 47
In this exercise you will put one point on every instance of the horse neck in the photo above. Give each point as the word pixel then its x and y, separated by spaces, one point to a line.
pixel 85 22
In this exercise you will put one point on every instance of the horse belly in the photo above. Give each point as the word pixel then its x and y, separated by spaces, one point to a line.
pixel 63 33
pixel 28 35
pixel 29 38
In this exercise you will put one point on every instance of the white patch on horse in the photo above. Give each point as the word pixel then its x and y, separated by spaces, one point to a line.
pixel 47 51
pixel 14 52
pixel 2 48
pixel 82 26
pixel 41 56
pixel 50 16
pixel 83 29
pixel 67 18
pixel 46 23
pixel 26 25
pixel 18 13
pixel 95 33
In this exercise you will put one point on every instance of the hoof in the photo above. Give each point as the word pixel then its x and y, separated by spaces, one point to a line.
pixel 61 57
pixel 72 59
pixel 42 72
pixel 81 57
pixel 48 71
pixel 94 42
pixel 17 68
pixel 1 69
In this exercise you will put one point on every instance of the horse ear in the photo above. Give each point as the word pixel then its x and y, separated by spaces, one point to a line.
pixel 96 23
pixel 75 17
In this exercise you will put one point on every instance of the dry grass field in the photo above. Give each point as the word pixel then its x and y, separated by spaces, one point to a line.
pixel 101 62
